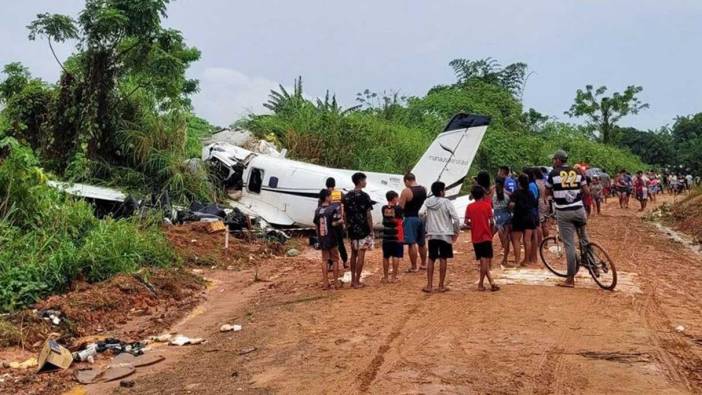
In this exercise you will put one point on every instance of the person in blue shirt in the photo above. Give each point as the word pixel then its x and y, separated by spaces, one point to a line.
pixel 510 183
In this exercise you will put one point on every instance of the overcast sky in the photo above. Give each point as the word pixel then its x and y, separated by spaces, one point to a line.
pixel 248 47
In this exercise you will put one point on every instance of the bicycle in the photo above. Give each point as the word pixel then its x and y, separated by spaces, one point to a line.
pixel 591 255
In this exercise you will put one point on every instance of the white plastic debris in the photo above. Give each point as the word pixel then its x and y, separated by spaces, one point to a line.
pixel 228 328
pixel 55 320
pixel 161 339
pixel 180 340
pixel 680 329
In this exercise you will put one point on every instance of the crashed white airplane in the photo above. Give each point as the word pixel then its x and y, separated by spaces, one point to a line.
pixel 285 192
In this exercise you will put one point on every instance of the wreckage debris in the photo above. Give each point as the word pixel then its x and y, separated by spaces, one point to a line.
pixel 229 328
pixel 180 340
pixel 247 350
pixel 54 355
pixel 127 383
pixel 121 366
pixel 27 364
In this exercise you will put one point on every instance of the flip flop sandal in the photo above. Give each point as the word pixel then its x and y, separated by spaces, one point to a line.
pixel 494 288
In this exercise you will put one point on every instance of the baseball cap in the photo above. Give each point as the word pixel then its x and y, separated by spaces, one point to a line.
pixel 560 154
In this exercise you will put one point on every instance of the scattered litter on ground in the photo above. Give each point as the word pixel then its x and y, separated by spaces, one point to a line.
pixel 29 363
pixel 54 355
pixel 52 316
pixel 180 340
pixel 346 277
pixel 247 350
pixel 84 355
pixel 680 329
pixel 127 383
pixel 161 338
pixel 228 328
pixel 121 366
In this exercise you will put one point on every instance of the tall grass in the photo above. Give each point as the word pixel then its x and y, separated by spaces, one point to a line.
pixel 47 239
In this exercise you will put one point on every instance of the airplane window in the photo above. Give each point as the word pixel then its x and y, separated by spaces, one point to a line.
pixel 273 182
pixel 255 180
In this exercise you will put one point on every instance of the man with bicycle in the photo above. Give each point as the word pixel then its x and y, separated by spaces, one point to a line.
pixel 567 186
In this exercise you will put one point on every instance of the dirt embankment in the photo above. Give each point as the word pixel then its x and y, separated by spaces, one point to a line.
pixel 127 307
pixel 685 214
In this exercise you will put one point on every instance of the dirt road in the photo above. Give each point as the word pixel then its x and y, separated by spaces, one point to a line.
pixel 394 338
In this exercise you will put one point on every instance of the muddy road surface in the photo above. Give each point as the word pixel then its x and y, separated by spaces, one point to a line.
pixel 526 338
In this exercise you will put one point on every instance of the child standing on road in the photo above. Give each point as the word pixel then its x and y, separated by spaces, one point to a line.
pixel 442 228
pixel 326 218
pixel 479 217
pixel 393 236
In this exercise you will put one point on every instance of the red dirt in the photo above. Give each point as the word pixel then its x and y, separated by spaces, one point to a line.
pixel 686 215
pixel 127 307
pixel 97 311
pixel 197 247
pixel 394 338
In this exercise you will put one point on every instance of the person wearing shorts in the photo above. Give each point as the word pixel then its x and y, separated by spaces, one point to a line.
pixel 357 208
pixel 503 217
pixel 522 203
pixel 443 225
pixel 326 218
pixel 411 200
pixel 479 217
pixel 393 236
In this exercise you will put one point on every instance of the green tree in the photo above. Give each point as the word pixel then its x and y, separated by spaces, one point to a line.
pixel 687 136
pixel 511 77
pixel 122 49
pixel 26 101
pixel 603 112
pixel 653 147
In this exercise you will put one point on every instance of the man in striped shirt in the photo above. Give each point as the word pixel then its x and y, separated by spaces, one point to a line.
pixel 567 185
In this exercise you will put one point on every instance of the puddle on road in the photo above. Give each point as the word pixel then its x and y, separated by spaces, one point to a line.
pixel 626 282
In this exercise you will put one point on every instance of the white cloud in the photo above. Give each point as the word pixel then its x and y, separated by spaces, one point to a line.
pixel 227 95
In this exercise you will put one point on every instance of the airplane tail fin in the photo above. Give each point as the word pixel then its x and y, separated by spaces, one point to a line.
pixel 450 155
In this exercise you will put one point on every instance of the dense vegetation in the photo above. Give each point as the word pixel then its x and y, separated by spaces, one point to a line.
pixel 389 133
pixel 675 149
pixel 47 240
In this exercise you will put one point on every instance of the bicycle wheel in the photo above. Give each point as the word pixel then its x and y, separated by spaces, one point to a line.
pixel 601 267
pixel 553 256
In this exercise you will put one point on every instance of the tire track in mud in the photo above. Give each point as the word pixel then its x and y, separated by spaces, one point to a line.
pixel 678 358
pixel 368 375
pixel 675 354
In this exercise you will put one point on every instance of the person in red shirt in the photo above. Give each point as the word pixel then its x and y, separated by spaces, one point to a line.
pixel 479 218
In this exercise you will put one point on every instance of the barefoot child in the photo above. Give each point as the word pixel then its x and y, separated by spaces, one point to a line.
pixel 479 213
pixel 326 218
pixel 442 228
pixel 393 236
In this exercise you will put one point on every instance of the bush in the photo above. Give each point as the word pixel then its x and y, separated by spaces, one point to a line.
pixel 47 239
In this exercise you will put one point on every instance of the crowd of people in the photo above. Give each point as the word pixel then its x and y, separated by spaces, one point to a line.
pixel 519 208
